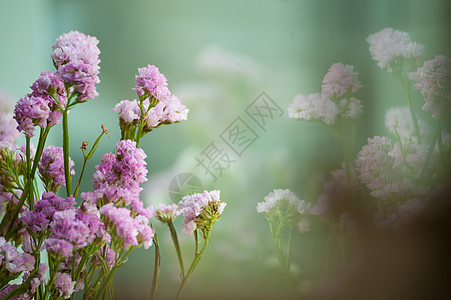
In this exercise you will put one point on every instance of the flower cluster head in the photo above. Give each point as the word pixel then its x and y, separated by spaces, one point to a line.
pixel 64 285
pixel 38 219
pixel 150 82
pixel 282 208
pixel 119 175
pixel 201 211
pixel 313 107
pixel 76 58
pixel 380 168
pixel 166 213
pixel 339 85
pixel 74 229
pixel 12 261
pixel 164 112
pixel 390 48
pixel 43 106
pixel 51 168
pixel 340 82
pixel 130 231
pixel 433 79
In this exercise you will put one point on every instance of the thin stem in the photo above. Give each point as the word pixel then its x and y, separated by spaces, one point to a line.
pixel 156 270
pixel 80 178
pixel 284 263
pixel 28 185
pixel 53 272
pixel 106 281
pixel 66 153
pixel 177 247
pixel 411 110
pixel 193 265
pixel 196 241
pixel 29 179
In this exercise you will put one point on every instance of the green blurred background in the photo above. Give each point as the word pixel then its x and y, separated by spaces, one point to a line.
pixel 218 56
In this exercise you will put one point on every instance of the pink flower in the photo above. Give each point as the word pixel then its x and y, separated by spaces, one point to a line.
pixel 340 82
pixel 74 46
pixel 118 176
pixel 389 47
pixel 166 213
pixel 313 107
pixel 284 202
pixel 64 285
pixel 433 79
pixel 51 166
pixel 194 208
pixel 131 231
pixel 76 58
pixel 150 82
pixel 58 247
pixel 128 111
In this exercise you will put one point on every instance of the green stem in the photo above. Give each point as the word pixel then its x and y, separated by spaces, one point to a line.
pixel 284 263
pixel 29 179
pixel 80 178
pixel 412 111
pixel 193 265
pixel 66 153
pixel 106 281
pixel 156 270
pixel 196 241
pixel 53 271
pixel 177 247
pixel 28 185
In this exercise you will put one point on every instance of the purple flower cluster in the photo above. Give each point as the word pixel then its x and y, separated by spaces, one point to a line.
pixel 76 58
pixel 64 284
pixel 193 208
pixel 38 219
pixel 119 175
pixel 39 279
pixel 132 231
pixel 39 108
pixel 12 260
pixel 433 79
pixel 51 166
pixel 150 82
pixel 74 229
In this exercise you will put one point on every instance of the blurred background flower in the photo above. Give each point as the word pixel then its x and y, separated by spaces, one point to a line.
pixel 218 57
